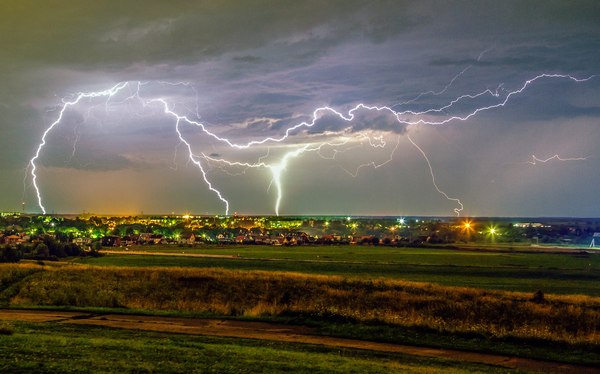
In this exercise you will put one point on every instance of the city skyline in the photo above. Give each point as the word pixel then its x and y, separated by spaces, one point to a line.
pixel 425 109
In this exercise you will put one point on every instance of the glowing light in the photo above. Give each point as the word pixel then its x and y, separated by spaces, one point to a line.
pixel 277 169
pixel 467 225
pixel 535 160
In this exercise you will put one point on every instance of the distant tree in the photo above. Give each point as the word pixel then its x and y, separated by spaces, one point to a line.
pixel 58 251
pixel 9 254
pixel 72 249
pixel 62 237
pixel 41 251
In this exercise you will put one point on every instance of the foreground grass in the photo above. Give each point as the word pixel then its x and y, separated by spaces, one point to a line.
pixel 381 254
pixel 526 272
pixel 51 347
pixel 492 314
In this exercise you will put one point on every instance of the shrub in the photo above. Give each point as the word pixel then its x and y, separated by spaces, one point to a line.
pixel 538 297
pixel 6 328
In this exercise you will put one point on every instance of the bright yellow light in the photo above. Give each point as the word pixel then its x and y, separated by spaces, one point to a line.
pixel 467 226
pixel 186 216
pixel 492 230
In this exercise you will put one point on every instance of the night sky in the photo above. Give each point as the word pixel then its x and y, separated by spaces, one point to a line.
pixel 250 70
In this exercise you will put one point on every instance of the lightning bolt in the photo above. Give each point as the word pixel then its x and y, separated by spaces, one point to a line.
pixel 460 205
pixel 66 104
pixel 199 165
pixel 535 160
pixel 277 169
pixel 373 164
pixel 448 85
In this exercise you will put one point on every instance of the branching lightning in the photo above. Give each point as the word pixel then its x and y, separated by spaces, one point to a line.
pixel 66 104
pixel 403 119
pixel 535 160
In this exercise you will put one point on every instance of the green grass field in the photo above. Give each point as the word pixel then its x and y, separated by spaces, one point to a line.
pixel 380 254
pixel 515 271
pixel 51 348
pixel 54 347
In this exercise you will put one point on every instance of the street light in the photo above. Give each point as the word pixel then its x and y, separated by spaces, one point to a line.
pixel 492 231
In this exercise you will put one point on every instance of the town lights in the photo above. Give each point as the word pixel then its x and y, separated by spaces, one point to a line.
pixel 467 226
pixel 493 230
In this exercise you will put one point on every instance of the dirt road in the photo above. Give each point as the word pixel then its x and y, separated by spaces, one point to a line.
pixel 277 332
pixel 148 253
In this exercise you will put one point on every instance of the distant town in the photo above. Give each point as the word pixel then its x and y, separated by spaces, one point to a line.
pixel 96 231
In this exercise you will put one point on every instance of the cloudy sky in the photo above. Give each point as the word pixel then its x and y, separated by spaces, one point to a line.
pixel 250 71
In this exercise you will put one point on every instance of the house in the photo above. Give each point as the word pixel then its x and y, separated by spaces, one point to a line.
pixel 187 239
pixel 129 240
pixel 224 239
pixel 82 241
pixel 111 241
pixel 145 237
pixel 12 239
pixel 157 238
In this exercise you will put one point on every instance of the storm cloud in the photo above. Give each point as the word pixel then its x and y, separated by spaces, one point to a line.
pixel 250 70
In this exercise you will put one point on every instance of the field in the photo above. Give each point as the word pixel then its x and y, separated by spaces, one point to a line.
pixel 559 273
pixel 480 301
pixel 116 351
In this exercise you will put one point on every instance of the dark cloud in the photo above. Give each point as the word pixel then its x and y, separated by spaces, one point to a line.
pixel 253 69
pixel 248 59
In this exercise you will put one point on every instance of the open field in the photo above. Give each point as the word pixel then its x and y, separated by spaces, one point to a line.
pixel 351 292
pixel 563 328
pixel 559 273
pixel 69 348
pixel 384 356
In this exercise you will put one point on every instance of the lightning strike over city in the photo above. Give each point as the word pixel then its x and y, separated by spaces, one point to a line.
pixel 334 116
pixel 299 186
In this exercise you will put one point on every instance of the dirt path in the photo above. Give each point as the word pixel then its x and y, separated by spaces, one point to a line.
pixel 277 332
pixel 182 254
